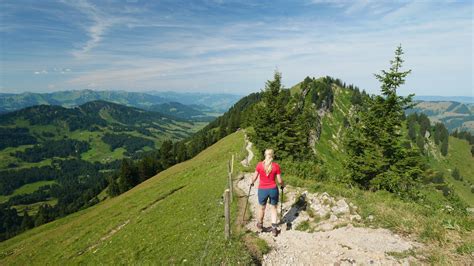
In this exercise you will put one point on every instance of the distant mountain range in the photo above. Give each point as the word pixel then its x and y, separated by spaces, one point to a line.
pixel 212 104
pixel 431 98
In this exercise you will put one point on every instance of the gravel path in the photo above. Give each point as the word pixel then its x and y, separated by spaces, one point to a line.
pixel 246 162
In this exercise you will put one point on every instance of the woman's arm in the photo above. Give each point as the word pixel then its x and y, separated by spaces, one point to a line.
pixel 254 178
pixel 280 180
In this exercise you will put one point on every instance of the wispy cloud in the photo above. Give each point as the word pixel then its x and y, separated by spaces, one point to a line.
pixel 98 25
pixel 234 46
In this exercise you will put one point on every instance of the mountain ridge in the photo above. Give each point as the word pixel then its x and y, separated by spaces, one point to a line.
pixel 10 102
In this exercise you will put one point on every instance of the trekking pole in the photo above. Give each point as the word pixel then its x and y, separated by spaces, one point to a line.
pixel 281 206
pixel 247 203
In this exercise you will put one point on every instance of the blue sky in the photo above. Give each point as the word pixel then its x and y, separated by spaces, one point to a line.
pixel 232 46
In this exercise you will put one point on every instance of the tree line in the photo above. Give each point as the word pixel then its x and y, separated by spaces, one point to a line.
pixel 77 185
pixel 53 148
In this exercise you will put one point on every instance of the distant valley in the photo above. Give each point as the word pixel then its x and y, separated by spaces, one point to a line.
pixel 455 115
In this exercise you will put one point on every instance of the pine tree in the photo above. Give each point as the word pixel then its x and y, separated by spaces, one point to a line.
pixel 128 176
pixel 444 147
pixel 181 155
pixel 269 124
pixel 27 222
pixel 113 189
pixel 43 215
pixel 166 154
pixel 147 167
pixel 377 157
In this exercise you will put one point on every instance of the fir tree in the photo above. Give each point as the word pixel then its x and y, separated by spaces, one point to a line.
pixel 181 152
pixel 269 121
pixel 128 176
pixel 166 154
pixel 27 222
pixel 377 157
pixel 444 147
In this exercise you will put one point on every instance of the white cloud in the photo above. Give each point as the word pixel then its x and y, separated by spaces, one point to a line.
pixel 100 22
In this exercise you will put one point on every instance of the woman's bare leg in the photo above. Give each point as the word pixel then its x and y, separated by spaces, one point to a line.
pixel 261 214
pixel 274 213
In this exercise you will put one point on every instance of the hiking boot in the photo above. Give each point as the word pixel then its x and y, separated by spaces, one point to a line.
pixel 275 231
pixel 260 226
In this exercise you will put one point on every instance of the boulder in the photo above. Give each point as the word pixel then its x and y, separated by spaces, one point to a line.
pixel 341 208
pixel 320 209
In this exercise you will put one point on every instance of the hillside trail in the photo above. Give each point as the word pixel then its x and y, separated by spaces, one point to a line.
pixel 248 146
pixel 335 234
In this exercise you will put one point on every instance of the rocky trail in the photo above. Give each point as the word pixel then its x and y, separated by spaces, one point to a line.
pixel 318 229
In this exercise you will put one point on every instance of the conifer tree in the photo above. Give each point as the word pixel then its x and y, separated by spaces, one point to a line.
pixel 269 124
pixel 166 154
pixel 444 147
pixel 181 152
pixel 128 176
pixel 27 222
pixel 377 159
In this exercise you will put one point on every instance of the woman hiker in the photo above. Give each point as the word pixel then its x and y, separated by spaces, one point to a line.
pixel 267 170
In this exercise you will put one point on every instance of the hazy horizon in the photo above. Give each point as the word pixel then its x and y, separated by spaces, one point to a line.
pixel 232 46
pixel 201 92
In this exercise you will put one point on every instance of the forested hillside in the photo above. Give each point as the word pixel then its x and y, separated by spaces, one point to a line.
pixel 56 160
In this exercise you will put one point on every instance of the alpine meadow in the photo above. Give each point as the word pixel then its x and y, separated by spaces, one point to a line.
pixel 141 132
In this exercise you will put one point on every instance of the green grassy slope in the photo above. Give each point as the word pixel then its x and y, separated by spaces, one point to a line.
pixel 172 218
pixel 330 146
pixel 459 156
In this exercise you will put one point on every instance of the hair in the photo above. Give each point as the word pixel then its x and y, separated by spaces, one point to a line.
pixel 267 162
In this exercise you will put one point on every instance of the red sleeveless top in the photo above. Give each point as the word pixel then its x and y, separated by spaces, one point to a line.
pixel 267 181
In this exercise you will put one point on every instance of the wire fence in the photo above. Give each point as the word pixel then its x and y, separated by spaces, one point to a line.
pixel 226 202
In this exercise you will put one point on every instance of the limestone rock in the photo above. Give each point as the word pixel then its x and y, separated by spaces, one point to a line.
pixel 341 207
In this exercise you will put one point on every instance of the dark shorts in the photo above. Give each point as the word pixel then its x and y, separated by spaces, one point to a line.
pixel 268 193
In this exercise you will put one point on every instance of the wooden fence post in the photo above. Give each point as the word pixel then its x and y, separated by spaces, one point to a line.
pixel 229 181
pixel 232 165
pixel 231 190
pixel 227 213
